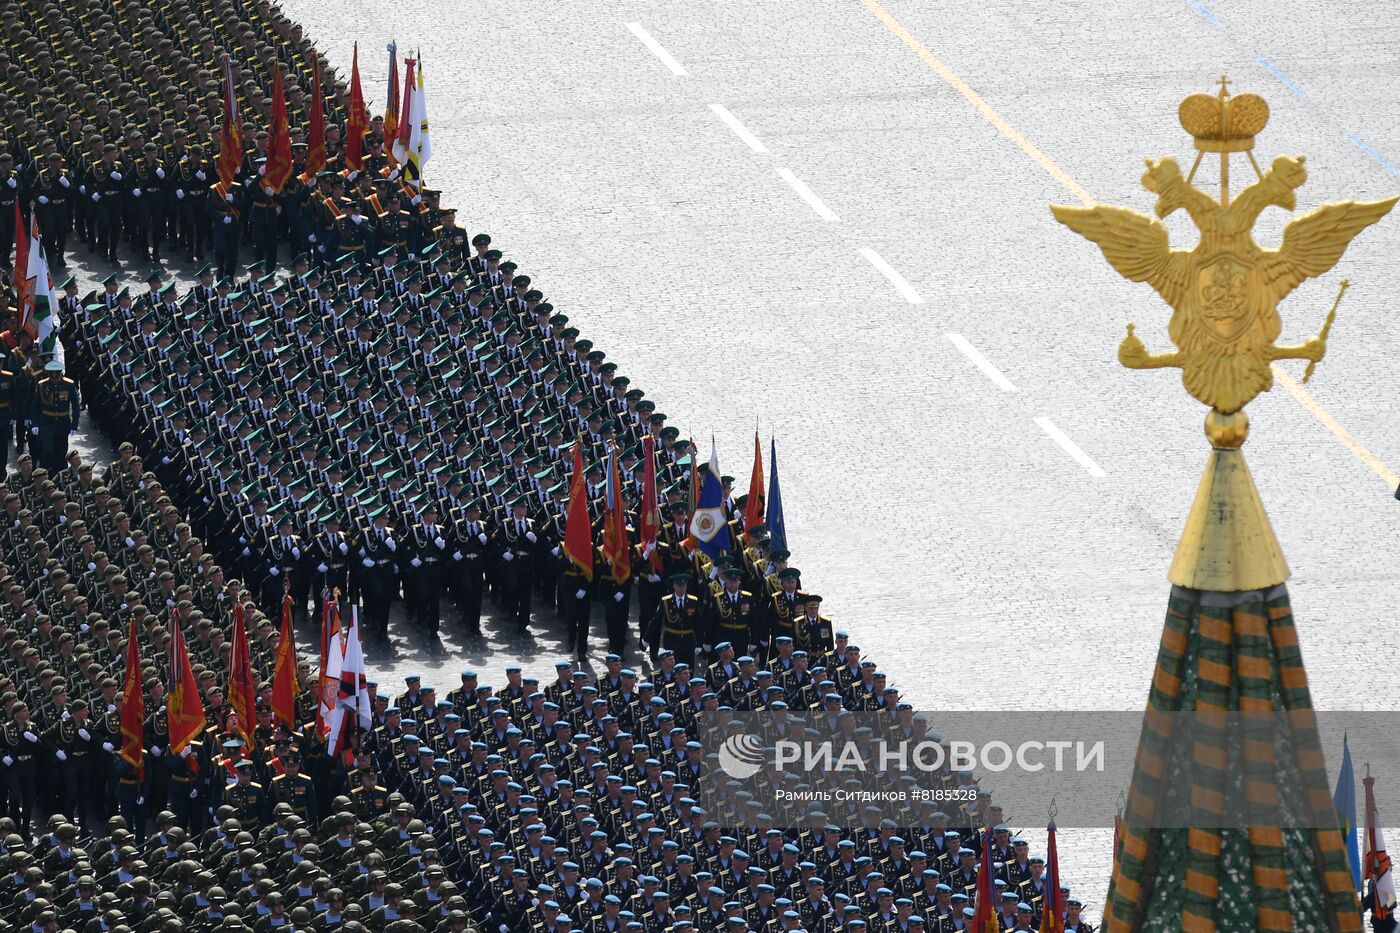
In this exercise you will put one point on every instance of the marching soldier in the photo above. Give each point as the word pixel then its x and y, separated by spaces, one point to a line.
pixel 471 538
pixel 21 746
pixel 295 789
pixel 378 579
pixel 516 542
pixel 734 614
pixel 56 415
pixel 677 623
pixel 426 552
pixel 786 605
pixel 246 796
pixel 328 558
pixel 53 193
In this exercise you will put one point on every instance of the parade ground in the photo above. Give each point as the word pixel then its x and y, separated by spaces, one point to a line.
pixel 828 221
pixel 836 214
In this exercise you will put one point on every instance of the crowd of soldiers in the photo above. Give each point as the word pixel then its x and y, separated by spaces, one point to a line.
pixel 391 419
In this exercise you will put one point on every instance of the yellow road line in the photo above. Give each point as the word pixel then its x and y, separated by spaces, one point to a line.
pixel 951 78
pixel 1349 441
pixel 972 97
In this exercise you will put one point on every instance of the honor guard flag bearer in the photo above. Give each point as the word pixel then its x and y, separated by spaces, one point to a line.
pixel 352 706
pixel 708 525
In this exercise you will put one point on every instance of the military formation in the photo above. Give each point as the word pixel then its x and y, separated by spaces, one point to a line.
pixel 378 408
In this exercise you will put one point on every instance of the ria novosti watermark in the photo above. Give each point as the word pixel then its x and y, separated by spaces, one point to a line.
pixel 981 768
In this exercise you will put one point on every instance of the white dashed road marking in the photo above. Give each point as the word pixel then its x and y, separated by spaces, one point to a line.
pixel 657 49
pixel 1070 447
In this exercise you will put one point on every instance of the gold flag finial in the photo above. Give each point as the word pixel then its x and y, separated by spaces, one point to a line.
pixel 1224 294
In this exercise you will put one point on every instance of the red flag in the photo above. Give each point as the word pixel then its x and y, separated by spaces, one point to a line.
pixel 356 121
pixel 316 131
pixel 278 167
pixel 241 686
pixel 649 517
pixel 578 528
pixel 617 546
pixel 24 295
pixel 986 919
pixel 231 134
pixel 753 507
pixel 405 115
pixel 1052 908
pixel 183 706
pixel 690 542
pixel 391 108
pixel 284 672
pixel 133 711
pixel 1377 861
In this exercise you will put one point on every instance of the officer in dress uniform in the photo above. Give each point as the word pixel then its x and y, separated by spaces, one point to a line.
pixel 734 615
pixel 295 789
pixel 246 796
pixel 516 547
pixel 56 415
pixel 813 629
pixel 327 557
pixel 426 553
pixel 677 623
pixel 471 538
pixel 377 576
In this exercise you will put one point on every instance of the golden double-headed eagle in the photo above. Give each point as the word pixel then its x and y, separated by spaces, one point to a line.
pixel 1225 292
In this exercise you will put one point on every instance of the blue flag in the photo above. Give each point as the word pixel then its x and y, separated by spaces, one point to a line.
pixel 1344 802
pixel 777 528
pixel 708 524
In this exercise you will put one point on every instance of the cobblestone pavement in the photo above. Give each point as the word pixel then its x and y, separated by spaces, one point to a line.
pixel 966 550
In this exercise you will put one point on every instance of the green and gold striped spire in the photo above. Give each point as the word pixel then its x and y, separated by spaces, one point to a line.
pixel 1229 825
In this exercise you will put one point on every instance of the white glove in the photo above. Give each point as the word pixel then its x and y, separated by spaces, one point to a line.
pixel 140 801
pixel 228 219
pixel 344 548
pixel 262 169
pixel 653 578
pixel 160 172
pixel 180 193
pixel 136 192
pixel 580 594
pixel 7 760
pixel 321 568
pixel 96 197
pixel 416 199
pixel 194 792
pixel 389 542
pixel 753 647
pixel 707 649
pixel 393 176
pixel 456 555
pixel 530 536
pixel 157 751
pixel 481 537
pixel 228 196
pixel 29 736
pixel 415 563
pixel 275 571
pixel 247 552
pixel 61 755
pixel 508 556
pixel 82 189
pixel 187 751
pixel 84 735
pixel 130 542
pixel 617 597
pixel 63 180
pixel 296 552
pixel 554 550
pixel 116 176
pixel 11 182
pixel 648 550
pixel 43 199
pixel 440 543
pixel 200 175
pixel 267 190
pixel 367 562
pixel 107 747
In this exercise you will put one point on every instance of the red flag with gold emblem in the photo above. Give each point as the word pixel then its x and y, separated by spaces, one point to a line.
pixel 241 686
pixel 753 506
pixel 284 672
pixel 231 133
pixel 357 120
pixel 183 706
pixel 649 510
pixel 1052 908
pixel 133 709
pixel 617 546
pixel 985 920
pixel 278 167
pixel 316 126
pixel 578 527
pixel 391 107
